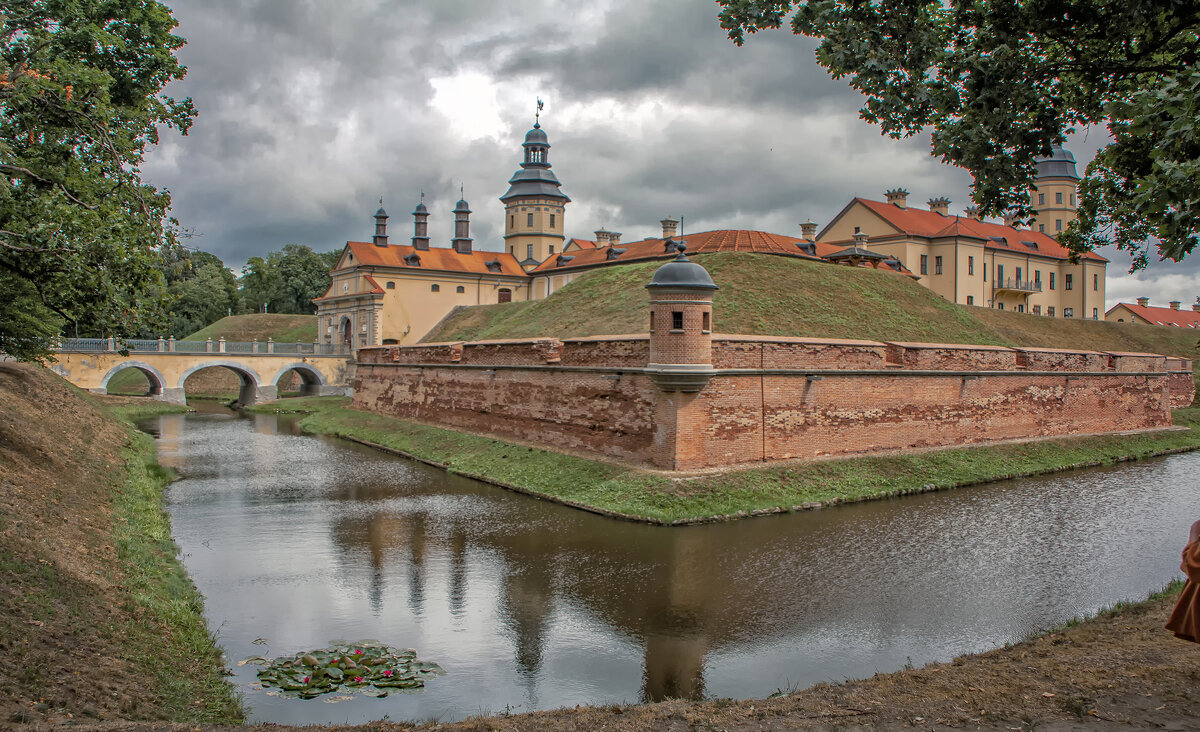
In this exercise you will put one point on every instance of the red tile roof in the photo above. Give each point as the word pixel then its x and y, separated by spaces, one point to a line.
pixel 582 243
pixel 721 240
pixel 378 290
pixel 437 259
pixel 931 225
pixel 1163 316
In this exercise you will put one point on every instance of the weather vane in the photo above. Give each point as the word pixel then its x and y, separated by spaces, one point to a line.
pixel 461 190
pixel 537 116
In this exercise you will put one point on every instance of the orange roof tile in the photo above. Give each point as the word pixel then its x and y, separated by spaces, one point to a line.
pixel 720 240
pixel 1163 316
pixel 439 259
pixel 931 225
pixel 582 243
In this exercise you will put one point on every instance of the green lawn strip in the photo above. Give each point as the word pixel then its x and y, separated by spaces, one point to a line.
pixel 635 493
pixel 165 632
pixel 132 413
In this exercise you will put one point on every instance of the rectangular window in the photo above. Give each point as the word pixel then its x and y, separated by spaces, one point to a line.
pixel 1072 200
pixel 1000 275
pixel 937 265
pixel 1018 276
pixel 435 288
pixel 529 251
pixel 1051 280
pixel 1095 313
pixel 1095 282
pixel 1067 283
pixel 1020 308
pixel 706 322
pixel 985 271
pixel 1041 199
pixel 1068 312
pixel 677 320
pixel 552 249
pixel 1037 309
pixel 1058 224
pixel 512 221
pixel 1042 228
pixel 1050 310
pixel 999 306
pixel 924 264
pixel 529 219
pixel 551 221
pixel 1058 197
pixel 1037 278
pixel 970 265
pixel 970 299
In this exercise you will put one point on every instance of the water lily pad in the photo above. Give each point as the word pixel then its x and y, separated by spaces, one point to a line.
pixel 369 668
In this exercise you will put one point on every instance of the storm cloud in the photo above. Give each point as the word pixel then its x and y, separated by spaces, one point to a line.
pixel 311 110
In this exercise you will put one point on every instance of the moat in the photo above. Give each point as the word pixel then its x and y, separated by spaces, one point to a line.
pixel 295 541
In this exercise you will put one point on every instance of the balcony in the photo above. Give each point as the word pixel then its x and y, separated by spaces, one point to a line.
pixel 1014 285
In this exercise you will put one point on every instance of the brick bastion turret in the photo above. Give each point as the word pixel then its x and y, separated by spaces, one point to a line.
pixel 684 398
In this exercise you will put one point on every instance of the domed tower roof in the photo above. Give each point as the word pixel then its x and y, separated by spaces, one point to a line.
pixel 381 214
pixel 462 206
pixel 681 272
pixel 1060 164
pixel 420 209
pixel 535 177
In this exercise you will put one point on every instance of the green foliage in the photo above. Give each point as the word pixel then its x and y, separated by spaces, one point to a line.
pixel 367 667
pixel 200 290
pixel 80 101
pixel 999 82
pixel 286 281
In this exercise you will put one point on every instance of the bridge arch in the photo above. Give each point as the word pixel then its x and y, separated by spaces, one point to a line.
pixel 153 375
pixel 252 389
pixel 311 378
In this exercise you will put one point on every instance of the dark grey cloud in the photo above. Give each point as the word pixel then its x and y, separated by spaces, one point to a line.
pixel 310 110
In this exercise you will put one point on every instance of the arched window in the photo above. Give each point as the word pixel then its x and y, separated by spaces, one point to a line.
pixel 391 285
pixel 460 289
pixel 435 288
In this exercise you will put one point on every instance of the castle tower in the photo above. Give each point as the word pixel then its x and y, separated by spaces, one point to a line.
pixel 420 239
pixel 534 205
pixel 681 294
pixel 462 227
pixel 1053 200
pixel 381 217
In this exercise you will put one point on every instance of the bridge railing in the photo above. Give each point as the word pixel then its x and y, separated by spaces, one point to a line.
pixel 170 345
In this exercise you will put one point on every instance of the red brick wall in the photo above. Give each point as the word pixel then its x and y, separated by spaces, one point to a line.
pixel 589 395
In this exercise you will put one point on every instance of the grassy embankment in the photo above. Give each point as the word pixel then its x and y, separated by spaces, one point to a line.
pixel 219 383
pixel 632 493
pixel 98 619
pixel 766 295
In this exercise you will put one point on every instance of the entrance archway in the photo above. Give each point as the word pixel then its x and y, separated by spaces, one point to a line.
pixel 346 328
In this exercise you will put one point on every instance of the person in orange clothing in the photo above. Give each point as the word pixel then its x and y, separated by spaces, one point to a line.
pixel 1185 620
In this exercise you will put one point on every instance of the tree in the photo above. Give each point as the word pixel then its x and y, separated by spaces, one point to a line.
pixel 998 81
pixel 288 280
pixel 80 101
pixel 260 285
pixel 200 289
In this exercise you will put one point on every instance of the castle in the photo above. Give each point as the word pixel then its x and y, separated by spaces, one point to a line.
pixel 393 294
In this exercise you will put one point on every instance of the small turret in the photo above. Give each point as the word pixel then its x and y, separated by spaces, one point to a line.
pixel 381 217
pixel 681 295
pixel 420 239
pixel 462 227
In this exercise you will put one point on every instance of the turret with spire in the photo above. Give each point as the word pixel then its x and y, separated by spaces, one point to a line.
pixel 462 225
pixel 420 239
pixel 1053 198
pixel 534 205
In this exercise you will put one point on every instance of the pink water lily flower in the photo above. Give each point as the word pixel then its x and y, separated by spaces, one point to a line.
pixel 358 651
pixel 388 672
pixel 306 678
pixel 358 679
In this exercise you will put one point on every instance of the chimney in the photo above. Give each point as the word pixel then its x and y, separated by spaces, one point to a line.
pixel 614 238
pixel 972 212
pixel 420 239
pixel 860 239
pixel 940 205
pixel 1144 302
pixel 1011 219
pixel 1196 305
pixel 808 230
pixel 1174 304
pixel 670 226
pixel 602 237
pixel 898 196
pixel 462 228
pixel 381 217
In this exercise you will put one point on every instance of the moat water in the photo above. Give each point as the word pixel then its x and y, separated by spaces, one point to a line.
pixel 297 540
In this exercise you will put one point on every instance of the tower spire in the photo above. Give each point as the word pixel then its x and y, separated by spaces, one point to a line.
pixel 537 116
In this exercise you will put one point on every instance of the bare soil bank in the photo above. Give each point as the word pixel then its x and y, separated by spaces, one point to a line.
pixel 65 646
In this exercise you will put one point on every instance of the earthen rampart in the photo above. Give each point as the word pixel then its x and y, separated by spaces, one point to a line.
pixel 769 398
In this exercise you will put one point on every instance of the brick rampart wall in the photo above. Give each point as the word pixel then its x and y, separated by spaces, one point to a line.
pixel 772 398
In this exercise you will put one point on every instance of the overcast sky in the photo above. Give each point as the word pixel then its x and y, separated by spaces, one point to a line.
pixel 311 110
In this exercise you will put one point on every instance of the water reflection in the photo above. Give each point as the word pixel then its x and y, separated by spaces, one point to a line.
pixel 531 605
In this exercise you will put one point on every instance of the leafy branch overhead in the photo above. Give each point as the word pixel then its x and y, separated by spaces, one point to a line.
pixel 80 102
pixel 996 82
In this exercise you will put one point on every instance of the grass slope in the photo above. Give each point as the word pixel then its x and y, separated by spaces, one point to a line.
pixel 768 295
pixel 261 326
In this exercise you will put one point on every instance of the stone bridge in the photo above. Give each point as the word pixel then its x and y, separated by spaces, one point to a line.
pixel 90 363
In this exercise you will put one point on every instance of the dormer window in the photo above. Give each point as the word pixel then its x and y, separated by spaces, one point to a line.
pixel 563 259
pixel 412 260
pixel 807 247
pixel 613 253
pixel 493 265
pixel 669 246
